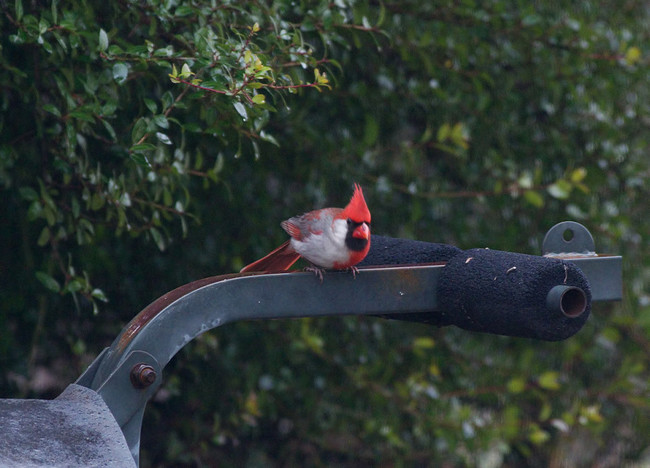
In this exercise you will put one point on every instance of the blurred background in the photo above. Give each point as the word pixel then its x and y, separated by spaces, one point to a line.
pixel 147 144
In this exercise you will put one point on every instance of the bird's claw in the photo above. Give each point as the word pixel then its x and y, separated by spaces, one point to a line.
pixel 320 271
pixel 317 271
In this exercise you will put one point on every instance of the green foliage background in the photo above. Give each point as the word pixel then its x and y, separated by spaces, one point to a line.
pixel 469 123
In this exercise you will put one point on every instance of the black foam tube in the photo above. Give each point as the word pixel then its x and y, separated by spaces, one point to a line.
pixel 496 292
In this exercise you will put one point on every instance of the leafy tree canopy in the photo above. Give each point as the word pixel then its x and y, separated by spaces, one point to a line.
pixel 147 144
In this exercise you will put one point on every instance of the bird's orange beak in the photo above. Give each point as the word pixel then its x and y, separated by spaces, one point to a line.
pixel 362 232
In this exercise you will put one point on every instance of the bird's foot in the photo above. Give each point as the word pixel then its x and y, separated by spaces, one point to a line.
pixel 317 271
pixel 354 271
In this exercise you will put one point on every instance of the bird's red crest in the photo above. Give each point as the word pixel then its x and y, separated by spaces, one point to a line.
pixel 357 210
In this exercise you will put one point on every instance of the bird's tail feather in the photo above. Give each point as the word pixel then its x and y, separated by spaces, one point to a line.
pixel 278 260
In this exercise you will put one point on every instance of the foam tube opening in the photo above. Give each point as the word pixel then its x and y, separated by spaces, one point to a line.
pixel 568 300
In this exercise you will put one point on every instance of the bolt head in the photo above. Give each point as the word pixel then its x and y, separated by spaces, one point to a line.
pixel 142 375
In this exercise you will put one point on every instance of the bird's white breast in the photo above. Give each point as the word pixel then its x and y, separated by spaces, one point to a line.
pixel 327 248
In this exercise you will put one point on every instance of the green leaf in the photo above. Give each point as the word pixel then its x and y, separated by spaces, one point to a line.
pixel 52 109
pixel 43 26
pixel 443 132
pixel 534 198
pixel 114 49
pixel 76 208
pixel 424 342
pixel 18 5
pixel 140 159
pixel 611 334
pixel 35 210
pixel 192 127
pixel 109 129
pixel 186 72
pixel 86 226
pixel 79 347
pixel 241 110
pixel 549 380
pixel 560 189
pixel 578 175
pixel 103 41
pixel 163 138
pixel 109 107
pixel 44 237
pixel 633 55
pixel 184 10
pixel 157 238
pixel 167 100
pixel 538 436
pixel 459 135
pixel 313 342
pixel 99 294
pixel 139 129
pixel 49 214
pixel 17 39
pixel 55 13
pixel 83 114
pixel 151 105
pixel 97 201
pixel 321 78
pixel 264 136
pixel 47 281
pixel 531 20
pixel 591 413
pixel 259 99
pixel 525 180
pixel 143 147
pixel 167 198
pixel 161 121
pixel 73 286
pixel 371 130
pixel 46 45
pixel 120 72
pixel 28 193
pixel 545 412
pixel 516 385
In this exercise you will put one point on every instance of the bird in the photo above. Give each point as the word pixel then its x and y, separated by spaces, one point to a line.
pixel 329 238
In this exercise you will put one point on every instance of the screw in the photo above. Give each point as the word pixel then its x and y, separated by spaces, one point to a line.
pixel 142 375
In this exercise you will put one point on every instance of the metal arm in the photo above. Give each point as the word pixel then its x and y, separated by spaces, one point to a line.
pixel 128 373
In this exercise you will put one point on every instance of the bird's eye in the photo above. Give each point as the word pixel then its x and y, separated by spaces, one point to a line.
pixel 349 221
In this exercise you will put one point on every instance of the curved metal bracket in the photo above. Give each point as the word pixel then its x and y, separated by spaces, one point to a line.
pixel 163 328
pixel 212 302
pixel 568 237
pixel 572 241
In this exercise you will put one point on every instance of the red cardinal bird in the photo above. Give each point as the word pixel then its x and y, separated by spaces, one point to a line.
pixel 337 238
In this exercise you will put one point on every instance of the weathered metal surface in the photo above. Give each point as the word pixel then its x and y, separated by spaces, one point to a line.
pixel 605 274
pixel 568 237
pixel 75 430
pixel 215 301
pixel 172 321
